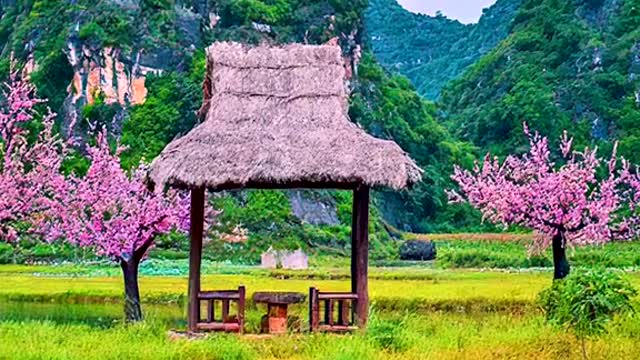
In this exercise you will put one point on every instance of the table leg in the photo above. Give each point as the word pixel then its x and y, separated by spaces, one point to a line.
pixel 277 314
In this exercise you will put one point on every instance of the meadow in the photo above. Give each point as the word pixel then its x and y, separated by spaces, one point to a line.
pixel 72 311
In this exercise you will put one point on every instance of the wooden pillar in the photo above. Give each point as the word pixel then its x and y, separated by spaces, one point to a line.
pixel 360 253
pixel 195 256
pixel 314 310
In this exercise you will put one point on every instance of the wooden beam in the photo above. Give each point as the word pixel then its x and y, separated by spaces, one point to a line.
pixel 360 253
pixel 195 257
pixel 231 186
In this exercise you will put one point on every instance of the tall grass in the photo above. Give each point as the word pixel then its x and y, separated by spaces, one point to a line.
pixel 390 336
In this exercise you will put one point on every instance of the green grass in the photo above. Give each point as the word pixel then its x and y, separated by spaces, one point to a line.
pixel 424 289
pixel 454 251
pixel 460 253
pixel 433 336
pixel 72 312
pixel 393 289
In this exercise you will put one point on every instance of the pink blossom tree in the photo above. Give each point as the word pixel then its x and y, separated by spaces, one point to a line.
pixel 30 178
pixel 116 215
pixel 107 210
pixel 567 204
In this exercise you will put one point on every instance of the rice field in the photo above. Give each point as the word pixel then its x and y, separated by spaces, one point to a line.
pixel 74 312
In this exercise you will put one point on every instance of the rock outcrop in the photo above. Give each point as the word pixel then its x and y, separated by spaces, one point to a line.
pixel 108 73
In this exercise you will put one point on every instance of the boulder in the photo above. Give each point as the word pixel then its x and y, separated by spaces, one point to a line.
pixel 418 250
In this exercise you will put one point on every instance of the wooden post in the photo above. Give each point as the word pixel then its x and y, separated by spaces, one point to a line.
pixel 210 310
pixel 360 253
pixel 195 256
pixel 225 310
pixel 241 305
pixel 328 312
pixel 314 310
pixel 344 318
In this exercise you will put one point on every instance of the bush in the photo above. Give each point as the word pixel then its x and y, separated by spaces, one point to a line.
pixel 586 301
pixel 6 253
pixel 92 31
pixel 390 334
pixel 418 250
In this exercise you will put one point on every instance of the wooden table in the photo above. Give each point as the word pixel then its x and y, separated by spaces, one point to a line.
pixel 277 304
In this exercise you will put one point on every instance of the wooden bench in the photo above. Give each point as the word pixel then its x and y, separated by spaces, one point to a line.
pixel 226 322
pixel 326 302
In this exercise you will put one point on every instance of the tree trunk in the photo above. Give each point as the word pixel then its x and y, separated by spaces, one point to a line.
pixel 560 264
pixel 132 309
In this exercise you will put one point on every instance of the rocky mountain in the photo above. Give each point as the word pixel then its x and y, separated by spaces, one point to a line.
pixel 566 64
pixel 136 67
pixel 431 51
pixel 556 64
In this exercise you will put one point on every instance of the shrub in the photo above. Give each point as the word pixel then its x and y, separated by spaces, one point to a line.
pixel 390 334
pixel 93 31
pixel 6 253
pixel 586 301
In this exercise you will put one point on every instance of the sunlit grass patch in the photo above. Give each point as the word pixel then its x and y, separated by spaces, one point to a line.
pixel 391 336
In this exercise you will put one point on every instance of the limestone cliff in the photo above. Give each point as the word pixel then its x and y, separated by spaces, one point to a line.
pixel 109 73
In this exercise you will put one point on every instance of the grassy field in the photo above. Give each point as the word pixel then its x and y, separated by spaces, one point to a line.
pixel 390 288
pixel 434 336
pixel 509 251
pixel 73 312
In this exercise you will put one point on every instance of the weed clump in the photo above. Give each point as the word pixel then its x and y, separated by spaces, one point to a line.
pixel 391 333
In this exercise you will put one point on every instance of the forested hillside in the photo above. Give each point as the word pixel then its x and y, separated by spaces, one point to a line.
pixel 136 67
pixel 431 51
pixel 567 64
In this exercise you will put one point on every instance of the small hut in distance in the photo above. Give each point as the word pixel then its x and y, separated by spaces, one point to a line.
pixel 277 118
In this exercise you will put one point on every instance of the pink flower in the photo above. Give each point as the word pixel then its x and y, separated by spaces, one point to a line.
pixel 533 192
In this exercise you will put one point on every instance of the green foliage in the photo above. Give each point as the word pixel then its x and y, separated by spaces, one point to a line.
pixel 6 253
pixel 52 75
pixel 27 251
pixel 157 4
pixel 270 12
pixel 270 223
pixel 488 255
pixel 99 114
pixel 76 163
pixel 587 300
pixel 514 255
pixel 308 21
pixel 431 51
pixel 92 30
pixel 390 334
pixel 565 65
pixel 168 111
pixel 388 107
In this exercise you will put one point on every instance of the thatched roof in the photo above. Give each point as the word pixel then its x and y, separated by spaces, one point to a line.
pixel 277 117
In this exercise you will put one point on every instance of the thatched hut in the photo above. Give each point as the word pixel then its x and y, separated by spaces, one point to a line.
pixel 277 117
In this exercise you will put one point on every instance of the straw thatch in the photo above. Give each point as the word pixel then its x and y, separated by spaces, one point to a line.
pixel 277 117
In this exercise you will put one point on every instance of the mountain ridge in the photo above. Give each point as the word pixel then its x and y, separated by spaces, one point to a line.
pixel 433 50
